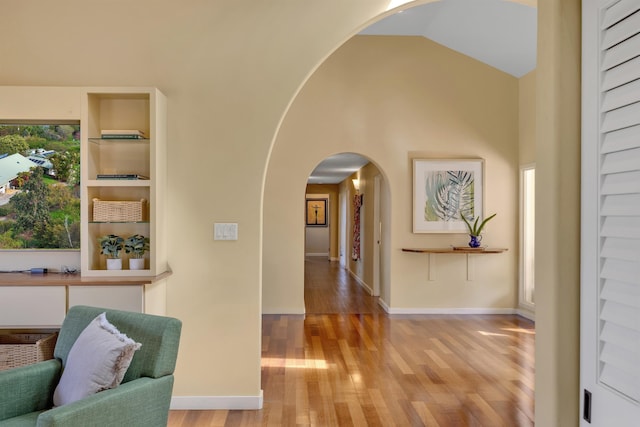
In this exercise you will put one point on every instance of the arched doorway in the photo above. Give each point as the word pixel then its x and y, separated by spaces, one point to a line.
pixel 283 280
pixel 404 198
pixel 342 249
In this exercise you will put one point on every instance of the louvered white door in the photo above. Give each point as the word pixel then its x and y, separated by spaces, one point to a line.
pixel 610 303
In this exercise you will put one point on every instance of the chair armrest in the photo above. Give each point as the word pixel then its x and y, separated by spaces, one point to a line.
pixel 28 388
pixel 141 403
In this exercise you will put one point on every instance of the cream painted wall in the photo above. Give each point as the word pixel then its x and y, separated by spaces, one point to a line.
pixel 557 253
pixel 392 99
pixel 527 118
pixel 230 69
pixel 364 268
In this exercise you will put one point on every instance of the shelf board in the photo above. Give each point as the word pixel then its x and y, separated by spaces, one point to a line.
pixel 455 250
pixel 96 277
pixel 118 222
pixel 118 183
pixel 104 141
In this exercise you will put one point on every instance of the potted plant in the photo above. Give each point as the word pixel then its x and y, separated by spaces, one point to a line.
pixel 475 229
pixel 136 245
pixel 111 246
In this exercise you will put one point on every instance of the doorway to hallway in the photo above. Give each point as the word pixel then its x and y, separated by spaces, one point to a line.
pixel 329 288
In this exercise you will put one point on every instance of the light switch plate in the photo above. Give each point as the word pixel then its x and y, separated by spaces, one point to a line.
pixel 225 231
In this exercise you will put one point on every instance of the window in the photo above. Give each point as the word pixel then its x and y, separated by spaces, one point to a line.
pixel 527 237
pixel 39 180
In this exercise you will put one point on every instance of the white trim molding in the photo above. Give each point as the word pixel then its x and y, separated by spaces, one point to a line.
pixel 477 310
pixel 452 310
pixel 526 313
pixel 384 305
pixel 288 311
pixel 361 282
pixel 217 402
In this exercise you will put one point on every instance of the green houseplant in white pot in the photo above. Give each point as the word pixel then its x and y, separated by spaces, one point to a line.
pixel 136 245
pixel 111 245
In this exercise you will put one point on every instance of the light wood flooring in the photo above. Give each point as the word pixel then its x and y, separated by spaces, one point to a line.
pixel 347 363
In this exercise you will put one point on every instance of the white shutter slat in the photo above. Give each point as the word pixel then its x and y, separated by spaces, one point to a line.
pixel 621 358
pixel 620 270
pixel 620 315
pixel 621 118
pixel 621 205
pixel 626 94
pixel 622 139
pixel 622 249
pixel 625 29
pixel 621 183
pixel 628 49
pixel 621 74
pixel 622 337
pixel 621 161
pixel 621 226
pixel 618 198
pixel 618 12
pixel 622 293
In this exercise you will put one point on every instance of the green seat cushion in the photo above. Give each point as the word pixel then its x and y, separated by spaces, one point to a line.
pixel 29 419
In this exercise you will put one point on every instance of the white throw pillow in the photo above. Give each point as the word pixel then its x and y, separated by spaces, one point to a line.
pixel 97 361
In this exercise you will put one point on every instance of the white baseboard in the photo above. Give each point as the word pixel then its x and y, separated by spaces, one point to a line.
pixel 217 402
pixel 527 314
pixel 366 287
pixel 317 254
pixel 384 305
pixel 334 259
pixel 288 310
pixel 448 310
pixel 390 310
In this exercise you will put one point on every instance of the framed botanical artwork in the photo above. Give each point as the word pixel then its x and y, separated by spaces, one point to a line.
pixel 316 212
pixel 443 190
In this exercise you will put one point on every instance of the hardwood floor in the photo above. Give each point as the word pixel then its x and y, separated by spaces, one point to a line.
pixel 328 288
pixel 347 363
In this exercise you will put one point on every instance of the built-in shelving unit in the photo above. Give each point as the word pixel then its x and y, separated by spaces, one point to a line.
pixel 142 109
pixel 40 301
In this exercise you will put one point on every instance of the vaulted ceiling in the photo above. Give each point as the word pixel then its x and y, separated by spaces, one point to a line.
pixel 500 33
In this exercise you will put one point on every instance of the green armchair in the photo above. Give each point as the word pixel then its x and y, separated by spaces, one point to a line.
pixel 141 400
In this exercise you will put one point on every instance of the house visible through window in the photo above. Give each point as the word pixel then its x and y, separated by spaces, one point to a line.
pixel 39 186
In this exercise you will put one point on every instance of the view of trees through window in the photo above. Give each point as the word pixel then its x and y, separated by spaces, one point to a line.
pixel 39 186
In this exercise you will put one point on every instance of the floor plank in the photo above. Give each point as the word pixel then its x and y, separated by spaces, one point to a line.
pixel 347 363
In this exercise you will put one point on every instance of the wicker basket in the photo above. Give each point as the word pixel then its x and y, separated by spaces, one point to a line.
pixel 118 211
pixel 25 349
